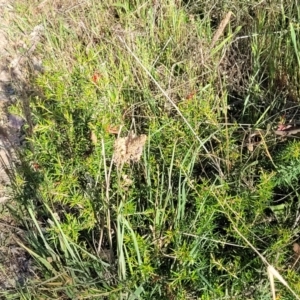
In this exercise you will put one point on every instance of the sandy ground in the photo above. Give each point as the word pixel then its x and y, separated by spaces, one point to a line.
pixel 10 125
pixel 14 262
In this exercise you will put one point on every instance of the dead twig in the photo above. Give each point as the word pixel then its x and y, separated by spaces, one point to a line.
pixel 290 132
pixel 220 29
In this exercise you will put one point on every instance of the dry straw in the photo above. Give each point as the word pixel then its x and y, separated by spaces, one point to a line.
pixel 129 148
pixel 220 29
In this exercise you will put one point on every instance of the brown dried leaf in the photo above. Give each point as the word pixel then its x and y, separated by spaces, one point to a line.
pixel 250 147
pixel 296 248
pixel 93 137
pixel 296 256
pixel 126 180
pixel 113 129
pixel 128 148
pixel 120 151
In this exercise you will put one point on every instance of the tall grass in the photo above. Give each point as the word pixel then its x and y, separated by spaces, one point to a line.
pixel 189 219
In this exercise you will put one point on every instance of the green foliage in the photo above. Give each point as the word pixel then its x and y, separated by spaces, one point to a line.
pixel 173 225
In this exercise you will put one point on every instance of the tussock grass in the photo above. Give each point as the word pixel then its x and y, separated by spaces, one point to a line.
pixel 215 186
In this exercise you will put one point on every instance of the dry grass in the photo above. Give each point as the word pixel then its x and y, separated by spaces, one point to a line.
pixel 152 152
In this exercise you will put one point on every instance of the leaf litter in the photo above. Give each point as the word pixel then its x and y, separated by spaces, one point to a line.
pixel 128 149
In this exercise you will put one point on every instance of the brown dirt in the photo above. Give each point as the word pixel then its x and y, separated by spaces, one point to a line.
pixel 14 261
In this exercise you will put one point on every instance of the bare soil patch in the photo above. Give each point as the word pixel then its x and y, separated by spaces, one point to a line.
pixel 14 262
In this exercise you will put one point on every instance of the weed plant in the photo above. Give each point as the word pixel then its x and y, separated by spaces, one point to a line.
pixel 187 220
